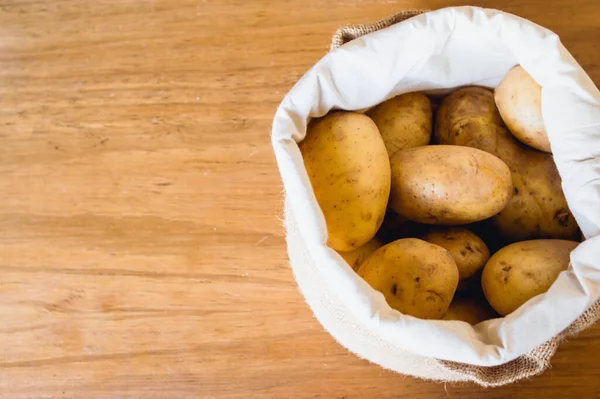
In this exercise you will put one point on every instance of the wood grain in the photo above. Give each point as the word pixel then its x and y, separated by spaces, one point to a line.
pixel 141 254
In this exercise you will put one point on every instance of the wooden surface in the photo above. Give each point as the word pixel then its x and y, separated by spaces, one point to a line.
pixel 141 254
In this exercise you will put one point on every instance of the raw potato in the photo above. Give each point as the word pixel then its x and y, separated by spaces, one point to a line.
pixel 470 310
pixel 519 100
pixel 468 250
pixel 523 270
pixel 538 208
pixel 448 184
pixel 349 169
pixel 417 278
pixel 356 257
pixel 404 121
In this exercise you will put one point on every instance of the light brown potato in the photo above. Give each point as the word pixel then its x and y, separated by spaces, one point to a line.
pixel 448 185
pixel 538 208
pixel 522 270
pixel 356 257
pixel 519 100
pixel 404 121
pixel 470 310
pixel 468 250
pixel 349 170
pixel 417 278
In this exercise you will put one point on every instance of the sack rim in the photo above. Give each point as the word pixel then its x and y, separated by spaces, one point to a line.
pixel 278 140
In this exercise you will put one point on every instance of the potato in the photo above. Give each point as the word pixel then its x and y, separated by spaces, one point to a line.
pixel 417 278
pixel 468 250
pixel 538 208
pixel 448 184
pixel 470 310
pixel 356 257
pixel 349 170
pixel 404 121
pixel 522 270
pixel 519 100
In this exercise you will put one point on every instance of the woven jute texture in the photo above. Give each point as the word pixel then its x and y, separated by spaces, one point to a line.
pixel 348 33
pixel 530 364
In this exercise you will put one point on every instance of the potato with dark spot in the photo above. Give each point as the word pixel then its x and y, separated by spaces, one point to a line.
pixel 404 121
pixel 349 170
pixel 416 278
pixel 468 250
pixel 470 310
pixel 448 185
pixel 522 270
pixel 519 100
pixel 356 257
pixel 538 208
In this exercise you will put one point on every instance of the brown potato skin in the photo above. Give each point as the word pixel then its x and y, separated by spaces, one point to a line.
pixel 522 270
pixel 404 121
pixel 538 208
pixel 519 101
pixel 468 250
pixel 416 278
pixel 356 257
pixel 349 170
pixel 448 185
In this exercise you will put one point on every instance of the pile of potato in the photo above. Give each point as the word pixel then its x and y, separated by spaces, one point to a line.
pixel 445 218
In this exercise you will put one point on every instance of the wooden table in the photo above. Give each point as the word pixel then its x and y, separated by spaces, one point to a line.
pixel 141 250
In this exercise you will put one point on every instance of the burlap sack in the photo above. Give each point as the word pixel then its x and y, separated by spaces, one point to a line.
pixel 351 32
pixel 536 361
pixel 334 311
